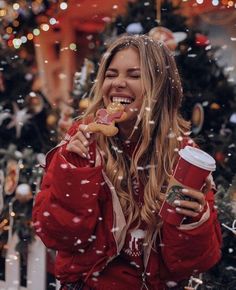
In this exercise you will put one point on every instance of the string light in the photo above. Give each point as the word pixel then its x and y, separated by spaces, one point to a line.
pixel 3 12
pixel 3 223
pixel 16 6
pixel 9 30
pixel 36 32
pixel 17 42
pixel 52 21
pixel 215 2
pixel 199 1
pixel 16 23
pixel 72 46
pixel 44 27
pixel 63 5
pixel 21 165
pixel 13 10
pixel 23 39
pixel 230 3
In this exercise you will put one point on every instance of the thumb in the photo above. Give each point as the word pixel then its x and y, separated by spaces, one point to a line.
pixel 207 185
pixel 84 129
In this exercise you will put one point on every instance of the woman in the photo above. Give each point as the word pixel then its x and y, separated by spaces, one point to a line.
pixel 101 196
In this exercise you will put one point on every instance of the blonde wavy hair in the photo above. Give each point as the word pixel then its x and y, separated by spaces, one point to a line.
pixel 162 129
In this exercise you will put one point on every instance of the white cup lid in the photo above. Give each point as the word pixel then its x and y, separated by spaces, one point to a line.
pixel 198 158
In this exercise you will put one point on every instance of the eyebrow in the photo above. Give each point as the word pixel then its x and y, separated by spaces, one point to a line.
pixel 129 70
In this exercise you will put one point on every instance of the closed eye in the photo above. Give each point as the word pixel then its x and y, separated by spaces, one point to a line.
pixel 135 76
pixel 134 73
pixel 110 75
pixel 113 75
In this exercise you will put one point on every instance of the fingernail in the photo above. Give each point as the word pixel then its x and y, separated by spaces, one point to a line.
pixel 88 156
pixel 87 135
pixel 177 202
pixel 178 209
pixel 85 156
pixel 83 126
pixel 185 190
pixel 86 143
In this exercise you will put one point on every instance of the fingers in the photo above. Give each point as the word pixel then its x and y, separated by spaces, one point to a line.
pixel 79 143
pixel 192 207
pixel 79 148
pixel 188 208
pixel 84 129
pixel 186 212
pixel 198 196
pixel 207 187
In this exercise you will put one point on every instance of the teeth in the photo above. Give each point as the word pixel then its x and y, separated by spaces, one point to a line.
pixel 122 100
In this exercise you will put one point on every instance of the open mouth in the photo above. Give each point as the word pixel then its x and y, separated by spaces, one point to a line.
pixel 123 100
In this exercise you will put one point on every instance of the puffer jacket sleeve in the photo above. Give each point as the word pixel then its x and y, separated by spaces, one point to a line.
pixel 66 209
pixel 193 248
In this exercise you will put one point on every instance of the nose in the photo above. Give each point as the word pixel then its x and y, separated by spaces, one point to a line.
pixel 119 82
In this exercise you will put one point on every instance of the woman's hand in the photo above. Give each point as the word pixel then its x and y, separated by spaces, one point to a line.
pixel 194 207
pixel 79 143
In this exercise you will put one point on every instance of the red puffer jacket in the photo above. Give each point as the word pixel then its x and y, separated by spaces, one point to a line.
pixel 77 212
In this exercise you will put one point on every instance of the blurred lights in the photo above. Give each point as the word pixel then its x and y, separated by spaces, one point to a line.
pixel 9 30
pixel 72 46
pixel 36 31
pixel 16 6
pixel 215 2
pixel 21 166
pixel 17 42
pixel 3 12
pixel 228 3
pixel 63 5
pixel 9 43
pixel 30 36
pixel 44 27
pixel 23 39
pixel 16 23
pixel 3 223
pixel 52 21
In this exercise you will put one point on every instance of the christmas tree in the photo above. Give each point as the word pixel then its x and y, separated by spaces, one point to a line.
pixel 27 130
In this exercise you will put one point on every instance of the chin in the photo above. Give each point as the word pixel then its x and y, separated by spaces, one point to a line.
pixel 130 120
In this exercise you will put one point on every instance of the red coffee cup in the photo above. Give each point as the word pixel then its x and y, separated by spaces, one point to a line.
pixel 191 171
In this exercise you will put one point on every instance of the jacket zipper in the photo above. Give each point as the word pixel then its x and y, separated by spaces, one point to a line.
pixel 144 275
pixel 144 285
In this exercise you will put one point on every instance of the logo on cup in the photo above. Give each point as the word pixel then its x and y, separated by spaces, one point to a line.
pixel 175 193
pixel 191 171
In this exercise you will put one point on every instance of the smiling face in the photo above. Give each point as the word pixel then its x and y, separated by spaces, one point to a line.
pixel 122 83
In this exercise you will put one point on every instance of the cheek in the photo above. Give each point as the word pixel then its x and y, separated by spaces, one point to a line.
pixel 137 88
pixel 105 87
pixel 139 97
